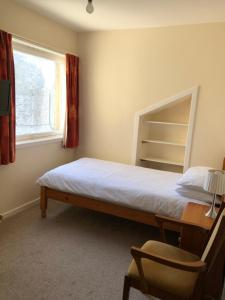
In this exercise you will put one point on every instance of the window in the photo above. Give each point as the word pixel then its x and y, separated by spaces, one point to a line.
pixel 40 92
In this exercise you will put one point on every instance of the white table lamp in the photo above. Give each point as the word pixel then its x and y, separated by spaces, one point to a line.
pixel 214 184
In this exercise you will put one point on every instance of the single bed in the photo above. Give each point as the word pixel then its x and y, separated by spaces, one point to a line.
pixel 122 190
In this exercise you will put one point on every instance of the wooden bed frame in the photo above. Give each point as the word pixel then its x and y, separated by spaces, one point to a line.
pixel 100 205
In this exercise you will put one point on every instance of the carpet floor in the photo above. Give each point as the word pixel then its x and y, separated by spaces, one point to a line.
pixel 74 254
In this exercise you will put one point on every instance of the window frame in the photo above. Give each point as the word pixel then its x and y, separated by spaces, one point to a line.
pixel 35 50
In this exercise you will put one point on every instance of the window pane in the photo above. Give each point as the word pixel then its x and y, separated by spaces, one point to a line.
pixel 36 80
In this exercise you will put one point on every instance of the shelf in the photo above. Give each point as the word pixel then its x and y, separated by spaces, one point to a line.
pixel 164 143
pixel 163 133
pixel 167 123
pixel 162 161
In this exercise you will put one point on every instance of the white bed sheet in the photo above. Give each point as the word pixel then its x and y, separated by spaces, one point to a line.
pixel 141 188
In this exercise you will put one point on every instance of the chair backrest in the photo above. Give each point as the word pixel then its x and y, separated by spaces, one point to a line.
pixel 222 206
pixel 214 256
pixel 217 238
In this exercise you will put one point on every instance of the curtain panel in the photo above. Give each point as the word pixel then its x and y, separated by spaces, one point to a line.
pixel 71 136
pixel 7 123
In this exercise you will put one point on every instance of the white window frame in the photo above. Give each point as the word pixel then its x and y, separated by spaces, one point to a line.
pixel 45 137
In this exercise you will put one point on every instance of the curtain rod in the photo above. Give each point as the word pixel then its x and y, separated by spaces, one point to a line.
pixel 16 36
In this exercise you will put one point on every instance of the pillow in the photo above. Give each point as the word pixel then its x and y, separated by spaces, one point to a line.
pixel 194 178
pixel 196 195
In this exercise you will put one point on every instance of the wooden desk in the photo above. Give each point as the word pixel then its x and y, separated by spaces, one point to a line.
pixel 195 240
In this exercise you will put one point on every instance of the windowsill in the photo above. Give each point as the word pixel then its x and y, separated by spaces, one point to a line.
pixel 38 141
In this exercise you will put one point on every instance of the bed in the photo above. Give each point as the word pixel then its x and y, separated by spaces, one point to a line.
pixel 122 190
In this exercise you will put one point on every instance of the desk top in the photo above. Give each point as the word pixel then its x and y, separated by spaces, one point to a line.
pixel 195 213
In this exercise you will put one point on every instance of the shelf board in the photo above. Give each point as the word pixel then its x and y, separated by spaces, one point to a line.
pixel 167 123
pixel 162 161
pixel 164 143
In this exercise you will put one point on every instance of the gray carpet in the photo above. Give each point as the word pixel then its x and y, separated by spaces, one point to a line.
pixel 73 254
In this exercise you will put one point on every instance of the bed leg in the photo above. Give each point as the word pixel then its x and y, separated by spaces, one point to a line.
pixel 43 202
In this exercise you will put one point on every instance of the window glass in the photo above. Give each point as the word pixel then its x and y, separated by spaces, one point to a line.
pixel 40 95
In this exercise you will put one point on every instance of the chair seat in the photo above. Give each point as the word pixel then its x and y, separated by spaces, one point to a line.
pixel 176 282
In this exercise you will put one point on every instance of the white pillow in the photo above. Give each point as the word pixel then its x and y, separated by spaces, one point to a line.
pixel 196 195
pixel 194 178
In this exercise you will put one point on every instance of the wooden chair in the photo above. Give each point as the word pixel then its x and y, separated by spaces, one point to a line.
pixel 171 273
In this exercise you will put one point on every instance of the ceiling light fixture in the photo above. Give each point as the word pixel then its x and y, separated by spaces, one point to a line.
pixel 90 7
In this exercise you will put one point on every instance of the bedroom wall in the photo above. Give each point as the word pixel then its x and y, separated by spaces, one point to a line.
pixel 17 181
pixel 125 71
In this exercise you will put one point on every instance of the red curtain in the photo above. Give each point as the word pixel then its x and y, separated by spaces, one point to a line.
pixel 7 123
pixel 71 138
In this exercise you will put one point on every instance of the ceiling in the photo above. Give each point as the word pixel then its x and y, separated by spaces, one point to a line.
pixel 124 14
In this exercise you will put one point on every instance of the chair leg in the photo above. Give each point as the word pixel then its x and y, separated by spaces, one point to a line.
pixel 126 288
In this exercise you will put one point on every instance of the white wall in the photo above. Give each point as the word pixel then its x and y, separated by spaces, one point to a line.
pixel 17 181
pixel 125 71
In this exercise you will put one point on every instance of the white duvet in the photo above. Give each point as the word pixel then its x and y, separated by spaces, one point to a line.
pixel 141 188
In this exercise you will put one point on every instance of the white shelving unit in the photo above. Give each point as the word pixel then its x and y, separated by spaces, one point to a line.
pixel 169 143
pixel 163 133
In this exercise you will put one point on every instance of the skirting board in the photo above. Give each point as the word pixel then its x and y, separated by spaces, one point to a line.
pixel 18 209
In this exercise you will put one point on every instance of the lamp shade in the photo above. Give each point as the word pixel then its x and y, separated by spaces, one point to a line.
pixel 215 182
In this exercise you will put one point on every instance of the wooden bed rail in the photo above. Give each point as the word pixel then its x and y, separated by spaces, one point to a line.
pixel 102 206
pixel 99 205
